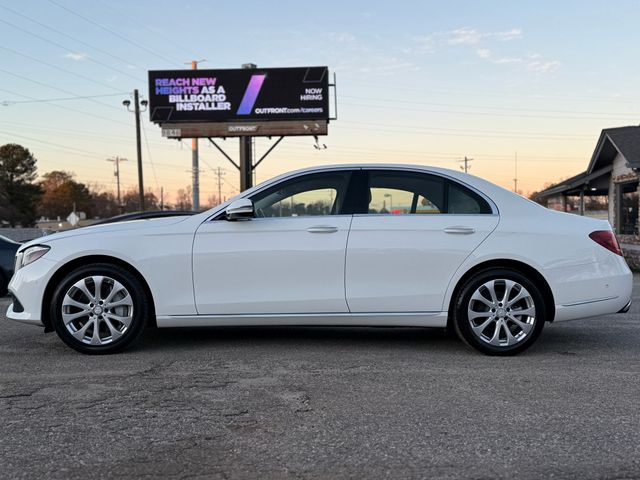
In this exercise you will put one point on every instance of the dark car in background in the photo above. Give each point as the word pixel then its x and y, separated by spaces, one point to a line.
pixel 8 250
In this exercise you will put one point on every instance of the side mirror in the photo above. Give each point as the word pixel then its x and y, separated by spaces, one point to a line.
pixel 241 209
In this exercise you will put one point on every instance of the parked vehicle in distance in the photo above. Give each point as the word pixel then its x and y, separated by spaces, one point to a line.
pixel 384 245
pixel 8 249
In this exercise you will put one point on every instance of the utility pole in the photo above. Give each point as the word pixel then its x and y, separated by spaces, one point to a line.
pixel 161 198
pixel 137 111
pixel 195 162
pixel 116 162
pixel 219 172
pixel 466 164
pixel 515 179
pixel 246 153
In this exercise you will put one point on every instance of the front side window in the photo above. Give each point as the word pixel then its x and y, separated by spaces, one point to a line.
pixel 309 195
pixel 401 193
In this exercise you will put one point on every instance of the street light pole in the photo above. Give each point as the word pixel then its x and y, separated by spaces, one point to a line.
pixel 390 197
pixel 136 103
pixel 136 110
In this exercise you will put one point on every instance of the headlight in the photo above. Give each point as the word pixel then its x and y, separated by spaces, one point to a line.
pixel 30 255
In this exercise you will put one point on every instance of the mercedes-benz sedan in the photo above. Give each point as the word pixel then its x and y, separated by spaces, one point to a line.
pixel 382 245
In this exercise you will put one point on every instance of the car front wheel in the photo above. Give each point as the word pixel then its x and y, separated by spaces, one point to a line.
pixel 499 312
pixel 99 309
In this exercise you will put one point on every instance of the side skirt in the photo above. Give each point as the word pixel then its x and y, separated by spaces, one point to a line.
pixel 400 319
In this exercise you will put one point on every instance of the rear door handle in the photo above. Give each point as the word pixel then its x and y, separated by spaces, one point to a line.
pixel 460 230
pixel 322 229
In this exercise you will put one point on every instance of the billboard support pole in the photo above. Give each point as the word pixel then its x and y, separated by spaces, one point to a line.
pixel 268 152
pixel 224 153
pixel 246 153
pixel 246 163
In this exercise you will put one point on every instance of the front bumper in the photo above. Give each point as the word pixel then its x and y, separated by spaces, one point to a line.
pixel 28 285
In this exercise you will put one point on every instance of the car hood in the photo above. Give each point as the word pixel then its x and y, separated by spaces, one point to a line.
pixel 131 225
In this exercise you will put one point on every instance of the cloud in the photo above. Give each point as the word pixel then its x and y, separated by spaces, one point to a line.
pixel 76 56
pixel 341 37
pixel 480 42
pixel 483 52
pixel 461 36
pixel 513 34
pixel 532 62
pixel 466 36
pixel 543 67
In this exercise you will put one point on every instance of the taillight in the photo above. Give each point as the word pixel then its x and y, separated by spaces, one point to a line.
pixel 607 239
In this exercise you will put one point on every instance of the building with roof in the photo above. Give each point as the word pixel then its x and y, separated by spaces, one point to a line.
pixel 613 174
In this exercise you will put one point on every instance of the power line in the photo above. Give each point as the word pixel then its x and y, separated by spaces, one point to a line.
pixel 475 93
pixel 169 41
pixel 75 39
pixel 59 99
pixel 69 92
pixel 153 168
pixel 56 67
pixel 488 107
pixel 483 114
pixel 79 150
pixel 428 154
pixel 298 143
pixel 113 32
pixel 94 136
pixel 464 133
pixel 508 132
pixel 90 114
pixel 63 47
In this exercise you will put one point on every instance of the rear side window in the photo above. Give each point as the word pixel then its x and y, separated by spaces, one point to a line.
pixel 463 201
pixel 400 193
pixel 405 192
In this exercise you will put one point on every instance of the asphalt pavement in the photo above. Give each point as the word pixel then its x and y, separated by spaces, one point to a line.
pixel 323 403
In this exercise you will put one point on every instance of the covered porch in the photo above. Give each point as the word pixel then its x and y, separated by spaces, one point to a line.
pixel 573 194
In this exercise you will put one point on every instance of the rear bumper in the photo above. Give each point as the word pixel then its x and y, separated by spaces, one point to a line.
pixel 626 308
pixel 602 287
pixel 592 308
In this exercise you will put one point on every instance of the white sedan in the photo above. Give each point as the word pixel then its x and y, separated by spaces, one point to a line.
pixel 382 245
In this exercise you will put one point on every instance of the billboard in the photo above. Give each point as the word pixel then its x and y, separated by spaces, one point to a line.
pixel 261 94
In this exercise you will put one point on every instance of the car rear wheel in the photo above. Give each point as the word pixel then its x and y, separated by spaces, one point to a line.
pixel 99 309
pixel 499 312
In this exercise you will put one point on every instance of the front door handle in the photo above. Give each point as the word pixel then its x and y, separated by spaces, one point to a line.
pixel 322 229
pixel 460 230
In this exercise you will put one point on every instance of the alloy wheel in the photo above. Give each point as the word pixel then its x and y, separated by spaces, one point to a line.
pixel 501 312
pixel 97 310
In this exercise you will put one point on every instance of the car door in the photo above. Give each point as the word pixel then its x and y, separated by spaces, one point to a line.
pixel 419 229
pixel 289 258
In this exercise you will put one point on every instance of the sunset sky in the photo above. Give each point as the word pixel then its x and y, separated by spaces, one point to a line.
pixel 418 82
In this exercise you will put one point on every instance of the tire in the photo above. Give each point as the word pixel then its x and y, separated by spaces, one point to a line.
pixel 120 309
pixel 492 325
